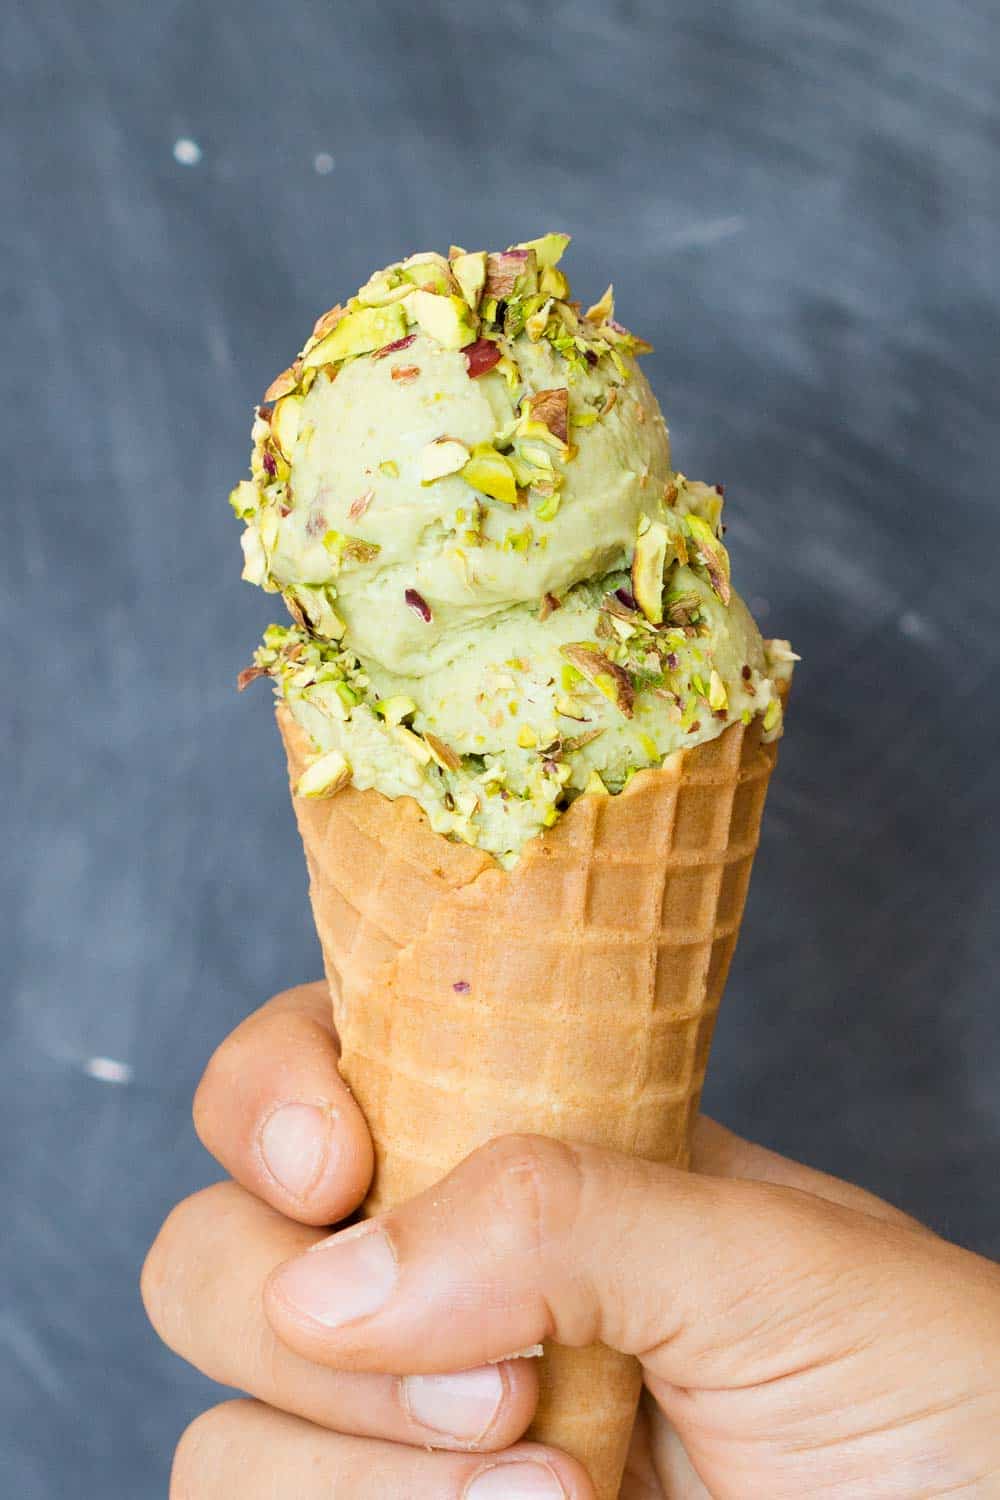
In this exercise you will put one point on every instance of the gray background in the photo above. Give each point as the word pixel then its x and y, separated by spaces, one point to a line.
pixel 799 205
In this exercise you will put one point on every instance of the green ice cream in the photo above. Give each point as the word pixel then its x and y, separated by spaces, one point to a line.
pixel 503 594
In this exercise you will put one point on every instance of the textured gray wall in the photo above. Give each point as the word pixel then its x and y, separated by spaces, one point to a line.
pixel 799 204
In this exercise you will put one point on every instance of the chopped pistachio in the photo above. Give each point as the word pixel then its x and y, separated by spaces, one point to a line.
pixel 602 311
pixel 447 758
pixel 394 710
pixel 712 555
pixel 350 548
pixel 384 287
pixel 286 418
pixel 470 273
pixel 772 715
pixel 577 741
pixel 445 455
pixel 311 607
pixel 248 675
pixel 718 697
pixel 604 674
pixel 412 743
pixel 327 774
pixel 647 568
pixel 536 323
pixel 244 499
pixel 255 568
pixel 571 708
pixel 553 283
pixel 488 471
pixel 518 541
pixel 390 468
pixel 283 384
pixel 704 500
pixel 681 606
pixel 549 248
pixel 511 271
pixel 623 629
pixel 550 408
pixel 326 697
pixel 585 418
pixel 446 319
pixel 429 270
pixel 326 322
pixel 359 332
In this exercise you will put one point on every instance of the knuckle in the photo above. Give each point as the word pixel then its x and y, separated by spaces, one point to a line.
pixel 164 1272
pixel 535 1182
pixel 213 1085
pixel 198 1471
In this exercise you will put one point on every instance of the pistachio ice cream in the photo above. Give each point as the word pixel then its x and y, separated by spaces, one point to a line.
pixel 503 595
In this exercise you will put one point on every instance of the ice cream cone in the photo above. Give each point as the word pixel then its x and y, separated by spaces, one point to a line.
pixel 573 995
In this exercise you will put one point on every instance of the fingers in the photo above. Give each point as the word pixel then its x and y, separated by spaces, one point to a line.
pixel 251 1451
pixel 703 1278
pixel 202 1288
pixel 719 1153
pixel 273 1109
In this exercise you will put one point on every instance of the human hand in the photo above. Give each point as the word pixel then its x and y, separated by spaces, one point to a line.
pixel 799 1337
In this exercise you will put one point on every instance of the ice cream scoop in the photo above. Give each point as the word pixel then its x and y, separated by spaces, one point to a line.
pixel 503 594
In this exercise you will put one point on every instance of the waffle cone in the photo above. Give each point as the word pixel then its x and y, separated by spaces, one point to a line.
pixel 573 996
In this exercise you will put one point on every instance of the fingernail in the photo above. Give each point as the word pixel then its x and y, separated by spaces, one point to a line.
pixel 461 1405
pixel 294 1142
pixel 516 1482
pixel 339 1280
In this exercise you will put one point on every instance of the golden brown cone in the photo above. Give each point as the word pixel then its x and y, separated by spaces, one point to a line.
pixel 572 996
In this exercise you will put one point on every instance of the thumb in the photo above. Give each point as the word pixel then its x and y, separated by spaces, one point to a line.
pixel 710 1281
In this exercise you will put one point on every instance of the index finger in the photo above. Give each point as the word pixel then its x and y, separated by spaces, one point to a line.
pixel 273 1110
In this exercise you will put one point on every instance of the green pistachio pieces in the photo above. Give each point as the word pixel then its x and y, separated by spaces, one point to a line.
pixel 550 409
pixel 511 273
pixel 394 710
pixel 311 607
pixel 601 312
pixel 647 568
pixel 470 273
pixel 446 319
pixel 360 332
pixel 255 566
pixel 553 283
pixel 718 696
pixel 286 419
pixel 245 499
pixel 488 471
pixel 444 756
pixel 548 248
pixel 604 674
pixel 350 548
pixel 441 457
pixel 711 554
pixel 428 270
pixel 327 774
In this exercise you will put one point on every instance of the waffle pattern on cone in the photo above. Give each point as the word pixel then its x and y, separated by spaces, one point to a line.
pixel 574 995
